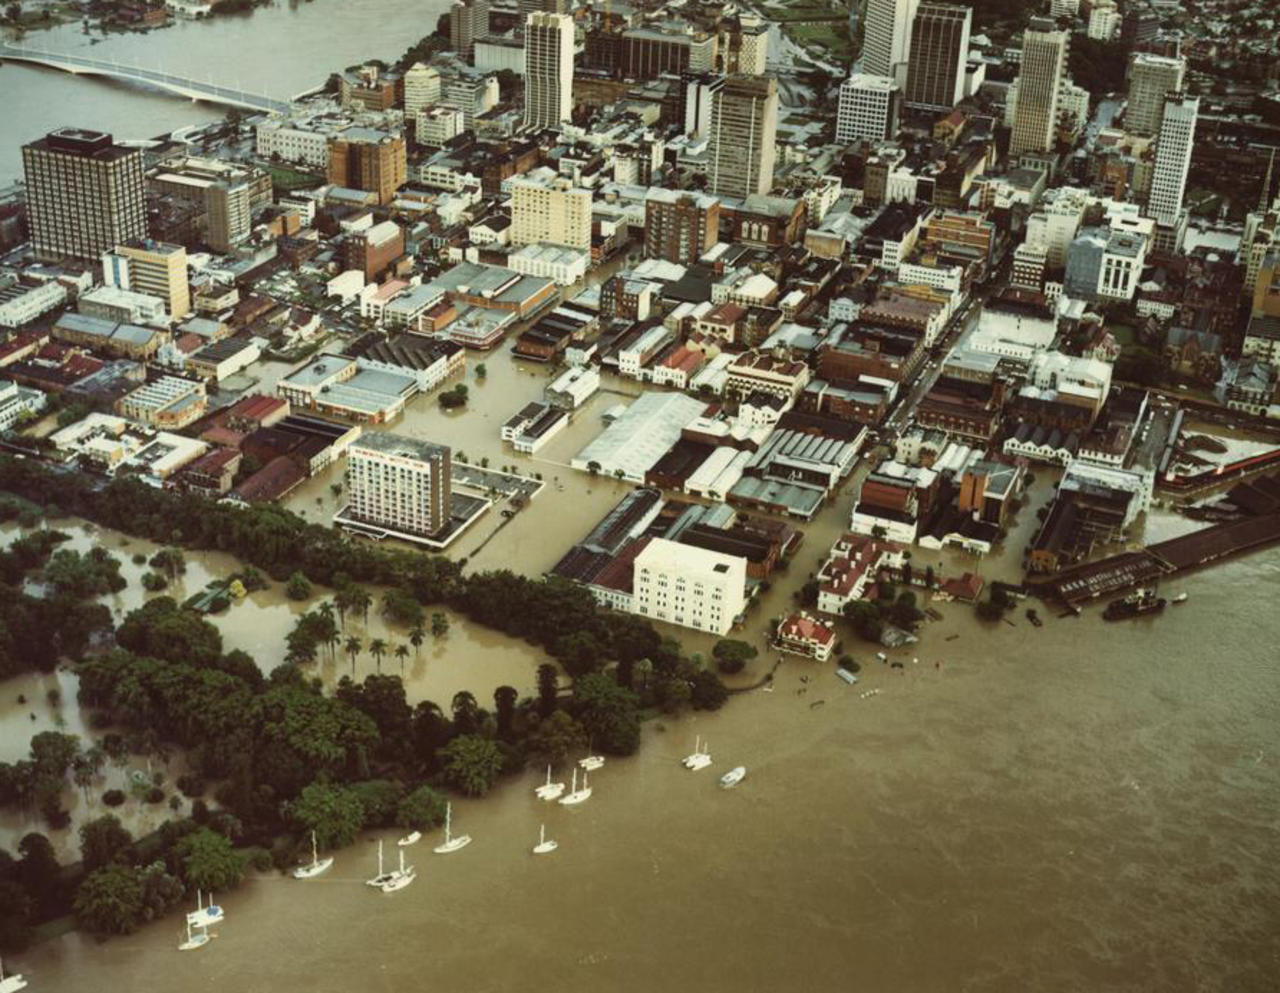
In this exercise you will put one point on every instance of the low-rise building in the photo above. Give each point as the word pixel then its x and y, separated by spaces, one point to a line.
pixel 690 587
pixel 168 402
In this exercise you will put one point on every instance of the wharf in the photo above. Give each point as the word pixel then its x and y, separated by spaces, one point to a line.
pixel 1123 571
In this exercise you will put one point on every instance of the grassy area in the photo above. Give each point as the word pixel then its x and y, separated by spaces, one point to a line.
pixel 287 180
pixel 784 12
pixel 1125 334
pixel 830 38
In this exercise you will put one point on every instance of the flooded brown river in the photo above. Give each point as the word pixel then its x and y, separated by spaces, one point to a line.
pixel 1081 806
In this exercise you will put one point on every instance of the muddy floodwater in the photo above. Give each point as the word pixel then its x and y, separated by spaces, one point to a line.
pixel 1082 806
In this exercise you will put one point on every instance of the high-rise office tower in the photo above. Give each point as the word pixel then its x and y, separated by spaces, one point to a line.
pixel 744 127
pixel 399 484
pixel 527 7
pixel 680 227
pixel 939 50
pixel 1173 158
pixel 422 88
pixel 1044 64
pixel 887 36
pixel 548 70
pixel 468 22
pixel 868 108
pixel 151 267
pixel 85 194
pixel 1151 79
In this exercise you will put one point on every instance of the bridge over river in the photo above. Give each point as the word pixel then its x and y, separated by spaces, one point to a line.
pixel 206 91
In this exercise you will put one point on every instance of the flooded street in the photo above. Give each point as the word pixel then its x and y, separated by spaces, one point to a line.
pixel 1080 806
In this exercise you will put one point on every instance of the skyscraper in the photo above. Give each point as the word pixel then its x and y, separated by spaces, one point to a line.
pixel 868 108
pixel 1044 63
pixel 468 21
pixel 1173 158
pixel 548 70
pixel 886 40
pixel 744 127
pixel 1151 79
pixel 85 194
pixel 365 159
pixel 398 484
pixel 939 49
pixel 679 227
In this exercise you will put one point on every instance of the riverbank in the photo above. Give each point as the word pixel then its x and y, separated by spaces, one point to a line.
pixel 1051 818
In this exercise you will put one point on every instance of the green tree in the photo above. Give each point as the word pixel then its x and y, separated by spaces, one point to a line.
pixel 379 800
pixel 353 648
pixel 608 712
pixel 102 840
pixel 109 901
pixel 706 691
pixel 555 738
pixel 209 861
pixel 401 607
pixel 732 655
pixel 439 624
pixel 378 648
pixel 402 653
pixel 297 586
pixel 471 763
pixel 504 703
pixel 416 637
pixel 334 813
pixel 548 688
pixel 421 809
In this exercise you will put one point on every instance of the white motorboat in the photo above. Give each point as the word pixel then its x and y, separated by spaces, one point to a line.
pixel 578 795
pixel 591 763
pixel 11 984
pixel 195 939
pixel 382 877
pixel 733 777
pixel 700 757
pixel 451 844
pixel 882 656
pixel 549 790
pixel 399 878
pixel 412 838
pixel 544 847
pixel 316 866
pixel 203 916
pixel 1180 598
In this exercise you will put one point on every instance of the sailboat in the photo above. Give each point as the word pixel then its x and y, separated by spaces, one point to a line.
pixel 544 847
pixel 400 878
pixel 382 877
pixel 549 790
pixel 15 982
pixel 577 795
pixel 700 758
pixel 451 844
pixel 196 939
pixel 203 916
pixel 316 866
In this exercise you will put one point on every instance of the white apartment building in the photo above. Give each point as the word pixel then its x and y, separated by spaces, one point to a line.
pixel 1104 21
pixel 1173 158
pixel 688 586
pixel 422 88
pixel 548 70
pixel 435 126
pixel 546 208
pixel 293 144
pixel 398 485
pixel 20 303
pixel 868 108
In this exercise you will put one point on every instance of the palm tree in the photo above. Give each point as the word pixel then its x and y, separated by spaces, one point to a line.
pixel 402 653
pixel 417 635
pixel 353 647
pixel 325 610
pixel 332 638
pixel 645 668
pixel 362 601
pixel 378 648
pixel 342 601
pixel 548 688
pixel 504 701
pixel 465 711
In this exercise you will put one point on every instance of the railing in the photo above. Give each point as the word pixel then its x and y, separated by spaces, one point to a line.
pixel 180 85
